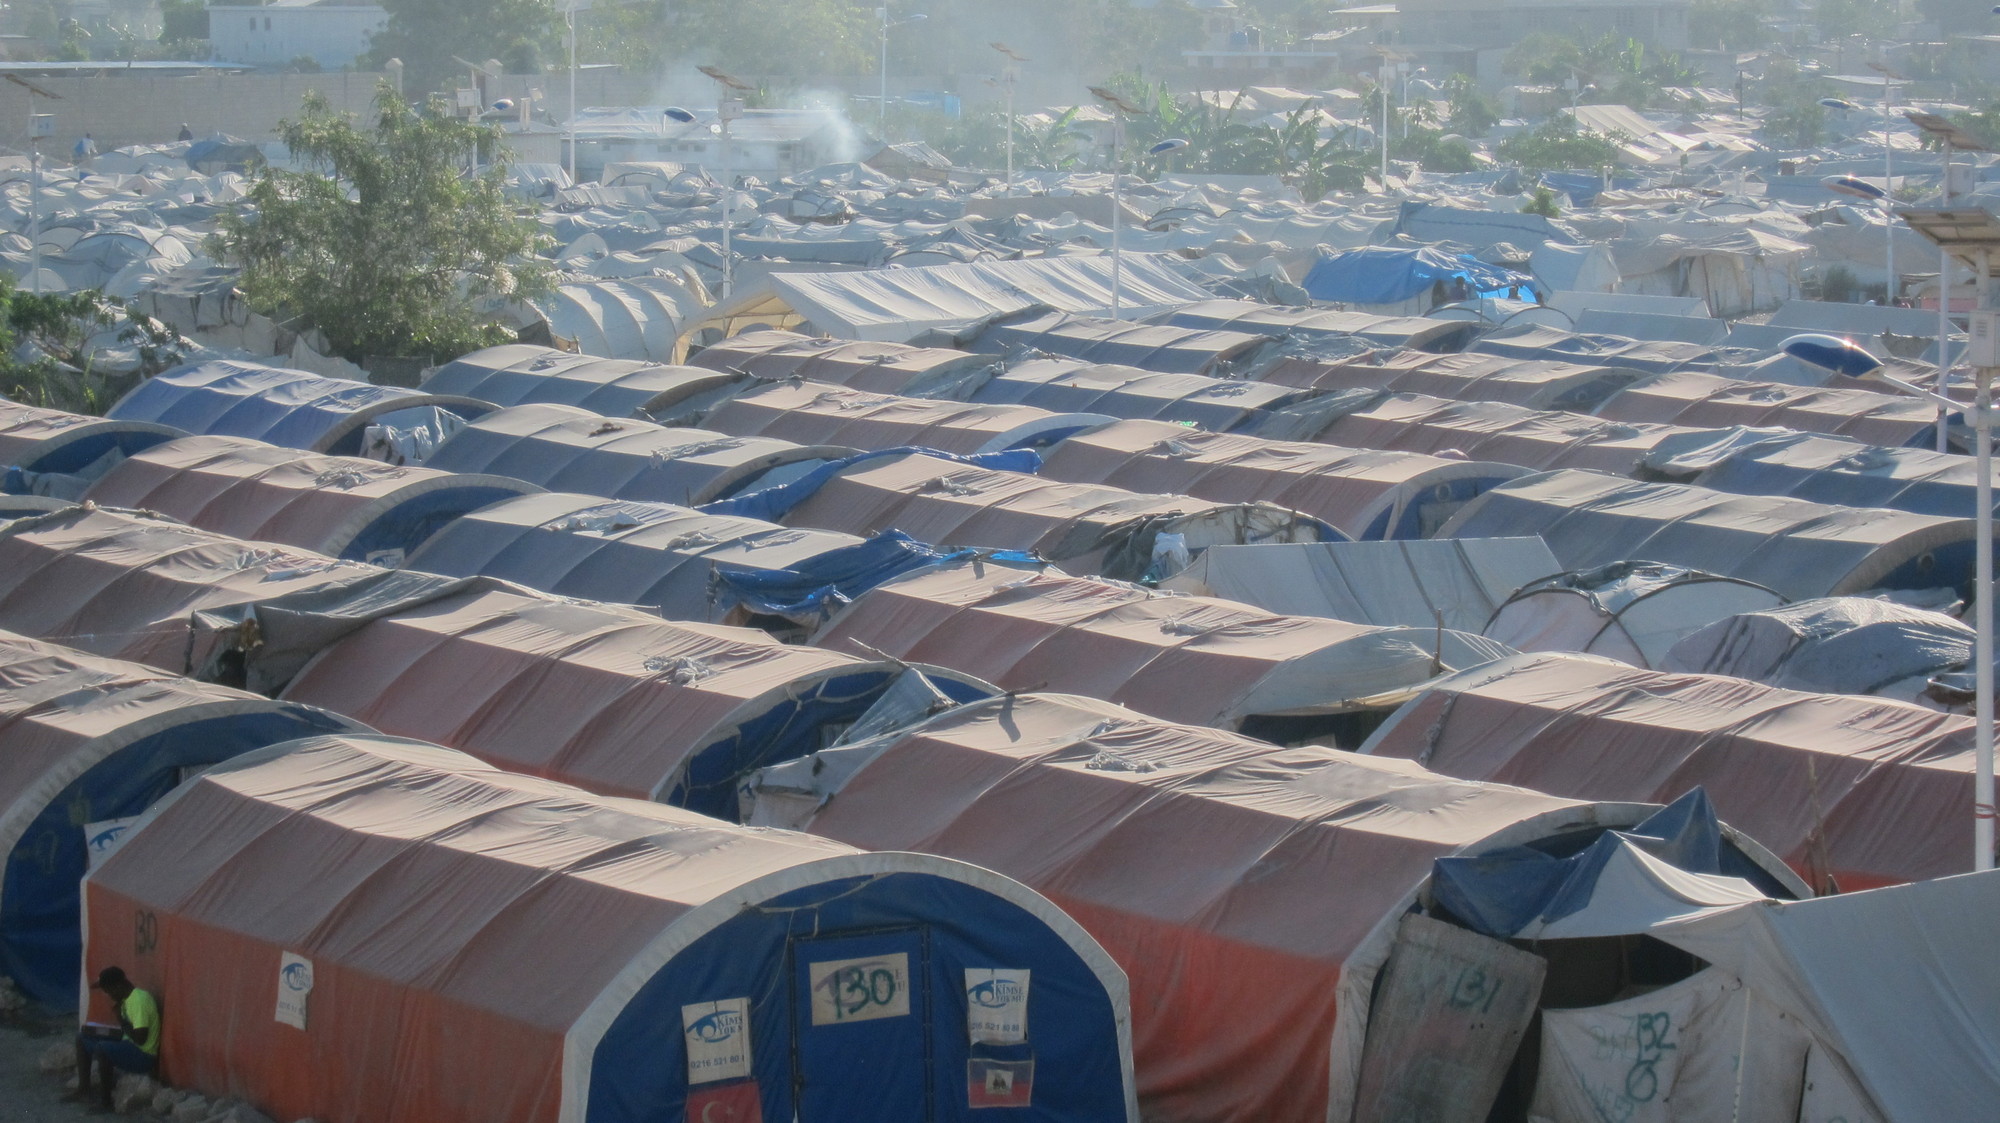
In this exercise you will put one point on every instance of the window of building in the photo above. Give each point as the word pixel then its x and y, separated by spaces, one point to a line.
pixel 267 23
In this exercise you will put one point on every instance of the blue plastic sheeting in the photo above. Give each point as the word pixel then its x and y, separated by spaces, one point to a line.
pixel 68 454
pixel 1504 892
pixel 392 537
pixel 806 1071
pixel 774 503
pixel 798 721
pixel 816 588
pixel 1584 187
pixel 1384 275
pixel 40 937
pixel 291 408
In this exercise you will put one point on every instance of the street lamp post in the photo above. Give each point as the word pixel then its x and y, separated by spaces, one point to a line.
pixel 728 108
pixel 1008 78
pixel 882 109
pixel 1951 137
pixel 1889 80
pixel 572 92
pixel 39 125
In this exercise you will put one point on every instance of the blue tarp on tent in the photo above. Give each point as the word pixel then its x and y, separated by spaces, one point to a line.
pixel 1584 187
pixel 1386 275
pixel 773 504
pixel 814 589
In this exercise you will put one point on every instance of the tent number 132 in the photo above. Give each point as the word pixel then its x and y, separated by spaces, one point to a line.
pixel 856 990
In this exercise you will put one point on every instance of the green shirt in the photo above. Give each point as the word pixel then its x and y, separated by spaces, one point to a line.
pixel 138 1012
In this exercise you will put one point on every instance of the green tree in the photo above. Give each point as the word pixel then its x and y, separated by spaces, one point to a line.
pixel 183 21
pixel 47 355
pixel 1728 25
pixel 1469 112
pixel 387 246
pixel 425 34
pixel 1559 146
pixel 1543 203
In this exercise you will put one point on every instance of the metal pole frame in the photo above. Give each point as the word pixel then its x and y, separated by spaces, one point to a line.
pixel 1982 657
pixel 882 107
pixel 1117 214
pixel 1944 363
pixel 1889 285
pixel 572 92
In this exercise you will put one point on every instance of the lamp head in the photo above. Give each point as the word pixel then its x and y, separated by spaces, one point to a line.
pixel 678 115
pixel 1172 144
pixel 1834 353
pixel 1841 104
pixel 1851 186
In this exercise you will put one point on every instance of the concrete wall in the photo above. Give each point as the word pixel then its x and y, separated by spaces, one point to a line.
pixel 333 35
pixel 119 111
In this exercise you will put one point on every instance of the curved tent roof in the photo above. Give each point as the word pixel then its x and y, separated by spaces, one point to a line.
pixel 648 554
pixel 123 583
pixel 1160 348
pixel 1537 341
pixel 51 442
pixel 1087 528
pixel 819 413
pixel 343 506
pixel 1710 401
pixel 1868 791
pixel 1250 891
pixel 607 698
pixel 1220 404
pixel 1837 645
pixel 91 742
pixel 1537 439
pixel 564 448
pixel 1193 659
pixel 882 368
pixel 1387 275
pixel 1630 611
pixel 633 318
pixel 292 408
pixel 1307 323
pixel 1822 469
pixel 482 945
pixel 518 374
pixel 1798 548
pixel 1367 495
pixel 1536 384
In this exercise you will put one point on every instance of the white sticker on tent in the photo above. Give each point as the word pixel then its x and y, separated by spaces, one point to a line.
pixel 718 1039
pixel 295 984
pixel 857 990
pixel 102 839
pixel 996 1005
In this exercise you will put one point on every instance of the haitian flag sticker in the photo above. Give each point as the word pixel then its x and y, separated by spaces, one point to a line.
pixel 990 1083
pixel 731 1103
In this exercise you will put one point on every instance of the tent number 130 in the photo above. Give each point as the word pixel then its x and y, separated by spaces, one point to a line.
pixel 856 990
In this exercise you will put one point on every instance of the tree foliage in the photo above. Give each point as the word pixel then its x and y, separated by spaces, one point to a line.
pixel 425 34
pixel 1611 69
pixel 1728 25
pixel 1559 146
pixel 386 248
pixel 46 348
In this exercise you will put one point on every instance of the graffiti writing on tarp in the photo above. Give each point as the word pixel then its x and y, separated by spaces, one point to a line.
pixel 1641 1042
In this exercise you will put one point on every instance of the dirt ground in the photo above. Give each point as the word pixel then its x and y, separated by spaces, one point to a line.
pixel 27 1095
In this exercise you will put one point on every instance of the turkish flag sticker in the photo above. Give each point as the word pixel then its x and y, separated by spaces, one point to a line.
pixel 999 1083
pixel 732 1103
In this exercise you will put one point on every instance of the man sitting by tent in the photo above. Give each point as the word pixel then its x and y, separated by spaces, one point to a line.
pixel 133 1045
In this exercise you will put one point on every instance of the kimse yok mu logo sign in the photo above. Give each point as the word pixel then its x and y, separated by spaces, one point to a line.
pixel 718 1039
pixel 295 984
pixel 996 1005
pixel 297 977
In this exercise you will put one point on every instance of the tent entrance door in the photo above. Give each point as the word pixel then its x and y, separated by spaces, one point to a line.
pixel 861 1044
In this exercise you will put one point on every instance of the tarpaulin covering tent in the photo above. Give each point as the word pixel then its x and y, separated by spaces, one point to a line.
pixel 1161 348
pixel 75 448
pixel 1367 495
pixel 821 413
pixel 1309 323
pixel 1251 892
pixel 649 554
pixel 1630 611
pixel 1798 548
pixel 564 448
pixel 1709 401
pixel 518 374
pixel 122 583
pixel 373 930
pixel 1875 1007
pixel 607 698
pixel 1532 438
pixel 1454 583
pixel 1399 281
pixel 1534 383
pixel 1086 528
pixel 362 510
pixel 1863 790
pixel 894 305
pixel 1219 404
pixel 1823 469
pixel 628 318
pixel 90 743
pixel 1192 659
pixel 291 407
pixel 1837 645
pixel 1536 341
pixel 882 368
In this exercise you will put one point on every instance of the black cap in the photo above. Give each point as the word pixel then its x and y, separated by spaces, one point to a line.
pixel 111 977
